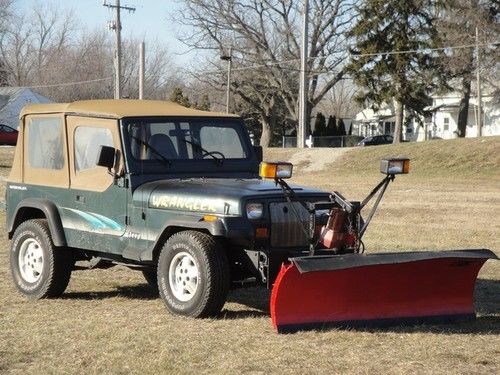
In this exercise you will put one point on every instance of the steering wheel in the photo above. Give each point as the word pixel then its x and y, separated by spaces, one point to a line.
pixel 213 154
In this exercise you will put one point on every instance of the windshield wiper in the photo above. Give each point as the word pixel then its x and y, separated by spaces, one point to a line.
pixel 155 151
pixel 206 152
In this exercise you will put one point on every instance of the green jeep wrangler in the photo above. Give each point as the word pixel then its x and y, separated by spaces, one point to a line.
pixel 171 191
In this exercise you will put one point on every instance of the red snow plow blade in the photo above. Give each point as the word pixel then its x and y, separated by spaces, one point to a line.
pixel 376 289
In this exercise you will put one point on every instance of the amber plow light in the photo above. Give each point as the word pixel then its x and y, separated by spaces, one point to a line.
pixel 275 170
pixel 395 166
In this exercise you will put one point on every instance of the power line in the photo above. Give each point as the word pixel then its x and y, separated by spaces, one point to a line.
pixel 271 64
pixel 423 50
pixel 283 62
pixel 69 83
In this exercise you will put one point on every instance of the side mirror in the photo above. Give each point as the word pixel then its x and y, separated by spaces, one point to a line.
pixel 106 157
pixel 258 153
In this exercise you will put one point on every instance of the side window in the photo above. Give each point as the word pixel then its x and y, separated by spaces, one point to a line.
pixel 87 144
pixel 45 143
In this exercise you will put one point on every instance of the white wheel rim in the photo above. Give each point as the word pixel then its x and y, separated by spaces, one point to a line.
pixel 183 276
pixel 31 260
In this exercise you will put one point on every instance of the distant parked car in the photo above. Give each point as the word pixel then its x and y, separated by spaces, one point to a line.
pixel 376 140
pixel 8 136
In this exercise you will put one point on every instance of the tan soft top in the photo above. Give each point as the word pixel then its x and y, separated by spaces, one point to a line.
pixel 119 108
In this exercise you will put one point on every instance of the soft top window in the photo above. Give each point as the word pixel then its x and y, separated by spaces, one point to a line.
pixel 45 143
pixel 88 141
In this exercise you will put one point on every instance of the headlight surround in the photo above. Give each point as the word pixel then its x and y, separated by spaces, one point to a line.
pixel 255 210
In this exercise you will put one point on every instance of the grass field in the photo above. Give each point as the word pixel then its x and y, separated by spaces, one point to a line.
pixel 109 321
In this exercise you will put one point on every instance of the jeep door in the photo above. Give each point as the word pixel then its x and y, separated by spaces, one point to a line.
pixel 95 217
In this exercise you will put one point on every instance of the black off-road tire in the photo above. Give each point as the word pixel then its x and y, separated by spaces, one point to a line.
pixel 213 274
pixel 57 261
pixel 151 277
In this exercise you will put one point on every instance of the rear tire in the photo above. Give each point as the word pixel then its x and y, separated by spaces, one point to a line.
pixel 39 269
pixel 193 275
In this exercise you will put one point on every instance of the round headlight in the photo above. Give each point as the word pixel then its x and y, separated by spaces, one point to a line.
pixel 254 210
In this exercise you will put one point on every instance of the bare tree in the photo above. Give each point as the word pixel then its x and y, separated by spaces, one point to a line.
pixel 5 16
pixel 457 21
pixel 15 50
pixel 267 34
pixel 30 40
pixel 48 50
pixel 341 100
pixel 160 69
pixel 88 59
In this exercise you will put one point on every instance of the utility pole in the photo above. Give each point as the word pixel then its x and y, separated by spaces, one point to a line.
pixel 117 26
pixel 478 81
pixel 141 70
pixel 229 59
pixel 301 134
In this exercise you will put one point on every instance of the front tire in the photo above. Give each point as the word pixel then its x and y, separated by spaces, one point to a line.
pixel 39 269
pixel 193 275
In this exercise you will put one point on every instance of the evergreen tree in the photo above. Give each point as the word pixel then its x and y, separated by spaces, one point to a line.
pixel 341 127
pixel 320 125
pixel 204 103
pixel 384 28
pixel 177 96
pixel 331 127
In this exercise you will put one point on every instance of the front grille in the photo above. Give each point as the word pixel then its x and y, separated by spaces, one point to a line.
pixel 286 229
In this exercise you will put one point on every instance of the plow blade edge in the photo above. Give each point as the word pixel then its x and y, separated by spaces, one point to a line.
pixel 376 289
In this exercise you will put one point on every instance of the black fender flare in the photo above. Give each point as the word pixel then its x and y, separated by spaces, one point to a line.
pixel 215 228
pixel 51 213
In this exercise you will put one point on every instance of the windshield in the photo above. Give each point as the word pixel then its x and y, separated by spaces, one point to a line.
pixel 169 140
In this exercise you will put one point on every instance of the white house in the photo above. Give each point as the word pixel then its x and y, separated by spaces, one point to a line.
pixel 13 99
pixel 442 123
pixel 440 120
pixel 369 122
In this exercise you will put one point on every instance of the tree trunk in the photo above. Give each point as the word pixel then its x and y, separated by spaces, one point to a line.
pixel 463 109
pixel 398 129
pixel 265 138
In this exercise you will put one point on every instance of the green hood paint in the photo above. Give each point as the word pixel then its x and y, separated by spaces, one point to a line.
pixel 211 196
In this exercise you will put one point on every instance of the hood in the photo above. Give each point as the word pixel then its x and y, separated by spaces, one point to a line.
pixel 215 195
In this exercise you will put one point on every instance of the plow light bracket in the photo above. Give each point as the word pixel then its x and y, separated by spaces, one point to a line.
pixel 394 166
pixel 277 170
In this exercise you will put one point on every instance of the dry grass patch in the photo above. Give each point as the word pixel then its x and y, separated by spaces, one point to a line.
pixel 110 322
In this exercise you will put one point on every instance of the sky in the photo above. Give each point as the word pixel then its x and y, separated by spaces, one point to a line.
pixel 152 20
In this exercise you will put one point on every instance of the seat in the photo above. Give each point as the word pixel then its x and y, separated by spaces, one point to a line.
pixel 163 145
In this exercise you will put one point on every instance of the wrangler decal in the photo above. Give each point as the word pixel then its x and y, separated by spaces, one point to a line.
pixel 17 187
pixel 183 203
